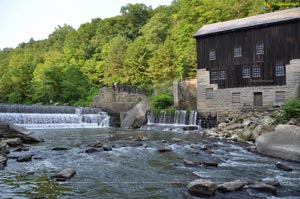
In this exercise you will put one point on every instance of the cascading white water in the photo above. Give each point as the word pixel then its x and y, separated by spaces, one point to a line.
pixel 43 120
pixel 179 117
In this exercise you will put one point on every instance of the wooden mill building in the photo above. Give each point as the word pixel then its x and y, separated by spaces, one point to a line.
pixel 251 62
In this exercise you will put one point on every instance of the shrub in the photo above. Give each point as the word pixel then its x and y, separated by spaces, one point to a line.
pixel 292 109
pixel 162 101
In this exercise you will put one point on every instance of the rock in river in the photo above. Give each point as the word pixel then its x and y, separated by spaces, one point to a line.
pixel 3 161
pixel 25 158
pixel 164 149
pixel 202 188
pixel 283 167
pixel 231 186
pixel 91 150
pixel 262 187
pixel 189 163
pixel 64 174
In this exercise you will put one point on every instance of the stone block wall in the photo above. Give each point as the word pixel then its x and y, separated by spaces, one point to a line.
pixel 117 102
pixel 185 94
pixel 222 99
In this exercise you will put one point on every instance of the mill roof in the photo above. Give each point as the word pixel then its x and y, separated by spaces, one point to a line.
pixel 249 22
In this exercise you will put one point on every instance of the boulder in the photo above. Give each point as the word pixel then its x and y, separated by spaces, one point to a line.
pixel 92 150
pixel 222 125
pixel 272 182
pixel 3 161
pixel 12 141
pixel 189 163
pixel 244 135
pixel 283 167
pixel 261 187
pixel 267 120
pixel 141 138
pixel 136 117
pixel 3 148
pixel 261 129
pixel 283 143
pixel 231 186
pixel 14 131
pixel 234 126
pixel 164 149
pixel 107 147
pixel 202 188
pixel 247 122
pixel 64 174
pixel 176 140
pixel 59 149
pixel 211 163
pixel 25 158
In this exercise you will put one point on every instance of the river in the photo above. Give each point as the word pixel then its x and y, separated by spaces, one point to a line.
pixel 134 169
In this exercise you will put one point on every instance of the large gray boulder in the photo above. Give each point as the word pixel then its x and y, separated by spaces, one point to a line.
pixel 64 174
pixel 202 188
pixel 283 143
pixel 231 186
pixel 137 116
pixel 14 131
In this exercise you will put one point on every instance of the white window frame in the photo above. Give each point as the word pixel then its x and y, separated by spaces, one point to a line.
pixel 256 71
pixel 260 49
pixel 237 51
pixel 246 72
pixel 212 55
pixel 279 70
pixel 222 74
pixel 214 75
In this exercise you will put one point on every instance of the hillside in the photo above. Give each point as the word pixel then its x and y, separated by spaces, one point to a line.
pixel 142 47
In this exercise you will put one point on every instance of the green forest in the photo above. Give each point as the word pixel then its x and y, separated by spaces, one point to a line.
pixel 144 47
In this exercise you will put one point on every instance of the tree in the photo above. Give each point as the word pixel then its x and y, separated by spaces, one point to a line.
pixel 157 29
pixel 47 78
pixel 135 16
pixel 161 68
pixel 136 63
pixel 74 85
pixel 113 58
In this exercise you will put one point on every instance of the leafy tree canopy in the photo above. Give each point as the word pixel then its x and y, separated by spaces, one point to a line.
pixel 143 47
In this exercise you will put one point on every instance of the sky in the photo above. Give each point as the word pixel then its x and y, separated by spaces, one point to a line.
pixel 21 20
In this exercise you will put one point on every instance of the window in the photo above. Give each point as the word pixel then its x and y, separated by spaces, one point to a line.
pixel 236 98
pixel 279 96
pixel 214 75
pixel 209 93
pixel 222 74
pixel 279 69
pixel 260 49
pixel 246 72
pixel 237 52
pixel 212 55
pixel 256 71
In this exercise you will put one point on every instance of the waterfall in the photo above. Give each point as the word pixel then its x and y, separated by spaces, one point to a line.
pixel 178 117
pixel 37 116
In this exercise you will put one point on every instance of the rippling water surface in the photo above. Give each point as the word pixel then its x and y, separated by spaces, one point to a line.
pixel 134 169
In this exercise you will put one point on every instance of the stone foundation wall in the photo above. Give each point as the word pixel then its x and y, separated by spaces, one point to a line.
pixel 185 94
pixel 117 102
pixel 222 99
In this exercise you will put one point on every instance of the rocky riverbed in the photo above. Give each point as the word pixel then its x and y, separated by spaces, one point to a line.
pixel 13 138
pixel 118 163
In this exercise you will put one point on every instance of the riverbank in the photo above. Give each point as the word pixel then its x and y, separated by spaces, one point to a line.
pixel 261 128
pixel 12 136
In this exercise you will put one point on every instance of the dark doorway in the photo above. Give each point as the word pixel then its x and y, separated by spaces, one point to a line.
pixel 257 99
